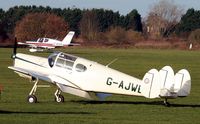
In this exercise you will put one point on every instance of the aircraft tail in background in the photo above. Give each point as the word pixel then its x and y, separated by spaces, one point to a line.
pixel 68 38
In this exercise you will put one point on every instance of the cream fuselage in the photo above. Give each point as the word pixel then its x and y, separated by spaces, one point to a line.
pixel 94 78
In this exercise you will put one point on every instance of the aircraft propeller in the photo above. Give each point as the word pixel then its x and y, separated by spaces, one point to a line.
pixel 14 48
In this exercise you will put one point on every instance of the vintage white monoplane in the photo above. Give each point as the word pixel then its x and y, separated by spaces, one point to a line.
pixel 81 77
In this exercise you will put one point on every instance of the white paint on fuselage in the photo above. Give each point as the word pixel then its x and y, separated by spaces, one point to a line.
pixel 96 78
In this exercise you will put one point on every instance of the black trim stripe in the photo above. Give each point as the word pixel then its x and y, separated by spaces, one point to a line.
pixel 181 79
pixel 71 87
pixel 151 83
pixel 68 81
pixel 165 77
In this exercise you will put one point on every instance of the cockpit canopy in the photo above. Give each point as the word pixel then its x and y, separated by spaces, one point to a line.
pixel 65 61
pixel 62 60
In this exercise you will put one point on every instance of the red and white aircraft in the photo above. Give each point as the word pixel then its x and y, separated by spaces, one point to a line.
pixel 47 43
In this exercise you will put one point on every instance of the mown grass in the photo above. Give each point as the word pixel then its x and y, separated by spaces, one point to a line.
pixel 116 109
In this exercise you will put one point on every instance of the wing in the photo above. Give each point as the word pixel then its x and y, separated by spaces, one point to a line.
pixel 27 44
pixel 46 47
pixel 25 72
pixel 63 84
pixel 38 45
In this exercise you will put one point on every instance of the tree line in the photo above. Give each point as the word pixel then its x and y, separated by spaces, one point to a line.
pixel 164 20
pixel 72 16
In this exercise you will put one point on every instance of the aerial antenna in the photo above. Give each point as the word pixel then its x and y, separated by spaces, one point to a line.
pixel 112 62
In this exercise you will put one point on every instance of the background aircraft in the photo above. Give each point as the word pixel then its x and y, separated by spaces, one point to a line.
pixel 47 43
pixel 81 77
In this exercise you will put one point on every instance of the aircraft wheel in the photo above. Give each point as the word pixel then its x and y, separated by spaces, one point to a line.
pixel 167 104
pixel 32 99
pixel 60 99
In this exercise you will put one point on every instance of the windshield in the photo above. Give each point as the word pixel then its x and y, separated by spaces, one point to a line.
pixel 52 58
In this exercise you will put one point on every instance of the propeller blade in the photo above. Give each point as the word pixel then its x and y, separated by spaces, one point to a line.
pixel 15 47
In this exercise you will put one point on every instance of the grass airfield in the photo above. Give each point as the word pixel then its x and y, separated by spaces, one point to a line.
pixel 116 109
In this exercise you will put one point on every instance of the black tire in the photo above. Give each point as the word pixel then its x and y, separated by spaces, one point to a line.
pixel 167 104
pixel 32 99
pixel 60 99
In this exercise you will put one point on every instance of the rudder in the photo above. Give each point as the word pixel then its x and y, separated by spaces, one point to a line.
pixel 182 83
pixel 151 85
pixel 68 38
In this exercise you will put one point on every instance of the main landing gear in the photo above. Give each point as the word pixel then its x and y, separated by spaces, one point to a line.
pixel 33 99
pixel 58 97
pixel 167 104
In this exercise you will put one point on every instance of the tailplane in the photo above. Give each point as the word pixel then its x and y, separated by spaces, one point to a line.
pixel 68 38
pixel 164 84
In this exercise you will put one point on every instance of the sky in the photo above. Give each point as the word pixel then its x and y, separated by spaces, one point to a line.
pixel 123 6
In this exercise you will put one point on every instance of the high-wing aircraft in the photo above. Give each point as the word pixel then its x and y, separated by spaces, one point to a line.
pixel 81 77
pixel 47 43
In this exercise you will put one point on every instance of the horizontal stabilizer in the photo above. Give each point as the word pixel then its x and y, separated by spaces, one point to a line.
pixel 21 43
pixel 35 50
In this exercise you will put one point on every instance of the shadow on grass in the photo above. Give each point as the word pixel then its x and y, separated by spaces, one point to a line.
pixel 21 112
pixel 185 105
pixel 136 103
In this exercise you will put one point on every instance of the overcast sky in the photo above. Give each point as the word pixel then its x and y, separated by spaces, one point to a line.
pixel 123 6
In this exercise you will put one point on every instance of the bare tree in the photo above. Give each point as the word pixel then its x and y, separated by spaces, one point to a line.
pixel 162 18
pixel 89 26
pixel 116 35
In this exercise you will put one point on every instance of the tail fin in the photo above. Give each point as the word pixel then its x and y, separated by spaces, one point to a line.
pixel 166 77
pixel 182 83
pixel 175 85
pixel 155 83
pixel 68 38
pixel 165 84
pixel 151 84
